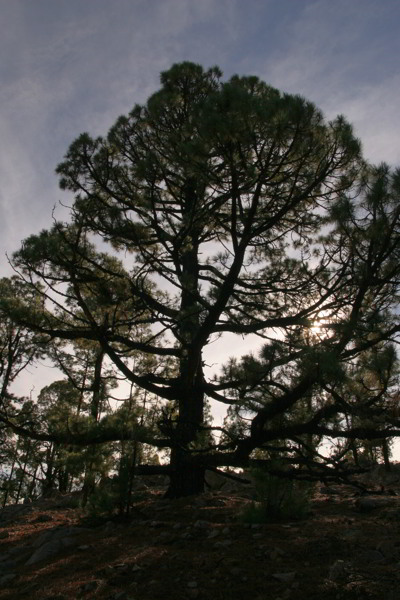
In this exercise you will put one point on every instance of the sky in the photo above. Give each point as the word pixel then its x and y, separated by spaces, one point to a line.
pixel 69 66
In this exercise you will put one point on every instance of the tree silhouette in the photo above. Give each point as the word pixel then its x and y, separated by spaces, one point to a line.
pixel 223 207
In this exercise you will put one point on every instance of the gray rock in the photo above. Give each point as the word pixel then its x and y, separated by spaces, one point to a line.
pixel 68 542
pixel 7 578
pixel 136 568
pixel 7 565
pixel 338 571
pixel 119 596
pixel 156 524
pixel 200 524
pixel 49 549
pixel 58 533
pixel 19 553
pixel 72 530
pixel 90 586
pixel 372 556
pixel 284 577
pixel 43 537
pixel 366 504
pixel 223 544
pixel 352 534
pixel 389 549
pixel 213 534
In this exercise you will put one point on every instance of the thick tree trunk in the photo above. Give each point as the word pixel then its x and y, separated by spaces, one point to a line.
pixel 185 479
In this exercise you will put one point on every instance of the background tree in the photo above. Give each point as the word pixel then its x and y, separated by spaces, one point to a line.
pixel 233 209
pixel 19 346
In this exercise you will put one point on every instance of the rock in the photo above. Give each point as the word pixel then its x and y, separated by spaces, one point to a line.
pixel 338 571
pixel 366 504
pixel 389 549
pixel 192 584
pixel 4 579
pixel 200 524
pixel 284 577
pixel 57 534
pixel 7 564
pixel 43 537
pixel 46 551
pixel 223 544
pixel 213 534
pixel 90 586
pixel 43 518
pixel 352 534
pixel 372 556
pixel 156 524
pixel 119 596
pixel 57 540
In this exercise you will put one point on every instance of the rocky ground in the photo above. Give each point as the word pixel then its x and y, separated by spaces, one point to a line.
pixel 200 548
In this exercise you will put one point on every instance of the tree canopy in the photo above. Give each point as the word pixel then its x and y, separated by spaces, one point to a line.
pixel 225 207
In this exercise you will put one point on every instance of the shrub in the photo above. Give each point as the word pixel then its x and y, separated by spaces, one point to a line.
pixel 277 498
pixel 102 502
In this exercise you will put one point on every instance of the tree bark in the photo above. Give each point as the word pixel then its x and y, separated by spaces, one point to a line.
pixel 185 479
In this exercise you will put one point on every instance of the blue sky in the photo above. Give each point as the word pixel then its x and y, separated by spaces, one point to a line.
pixel 69 66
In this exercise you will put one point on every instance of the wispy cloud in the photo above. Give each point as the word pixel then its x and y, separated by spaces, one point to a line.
pixel 74 66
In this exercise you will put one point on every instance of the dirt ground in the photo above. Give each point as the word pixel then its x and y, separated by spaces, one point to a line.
pixel 200 548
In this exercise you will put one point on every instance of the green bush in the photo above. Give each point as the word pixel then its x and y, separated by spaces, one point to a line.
pixel 277 498
pixel 102 502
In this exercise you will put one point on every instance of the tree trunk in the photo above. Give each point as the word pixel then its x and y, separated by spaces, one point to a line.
pixel 386 455
pixel 185 479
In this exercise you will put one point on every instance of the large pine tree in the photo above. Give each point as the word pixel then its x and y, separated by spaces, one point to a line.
pixel 223 207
